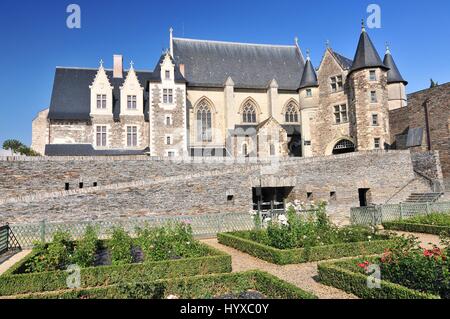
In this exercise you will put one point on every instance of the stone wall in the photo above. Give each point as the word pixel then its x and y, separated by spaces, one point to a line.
pixel 413 116
pixel 144 186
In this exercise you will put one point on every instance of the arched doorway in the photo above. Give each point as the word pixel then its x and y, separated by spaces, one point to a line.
pixel 343 146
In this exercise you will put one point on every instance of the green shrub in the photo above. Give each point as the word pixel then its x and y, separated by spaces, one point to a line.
pixel 416 228
pixel 172 241
pixel 194 287
pixel 437 219
pixel 54 256
pixel 120 247
pixel 86 248
pixel 242 241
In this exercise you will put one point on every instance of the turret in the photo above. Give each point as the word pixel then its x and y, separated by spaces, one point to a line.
pixel 369 108
pixel 309 101
pixel 396 83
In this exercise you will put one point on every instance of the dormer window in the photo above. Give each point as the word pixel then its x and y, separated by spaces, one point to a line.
pixel 308 93
pixel 131 102
pixel 101 101
pixel 167 75
pixel 168 96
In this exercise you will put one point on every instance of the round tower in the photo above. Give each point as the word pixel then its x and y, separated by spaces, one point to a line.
pixel 369 107
pixel 309 102
pixel 395 83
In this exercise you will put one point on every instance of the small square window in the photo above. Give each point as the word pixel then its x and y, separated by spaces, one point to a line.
pixel 377 143
pixel 167 74
pixel 372 75
pixel 171 154
pixel 168 140
pixel 308 92
pixel 333 196
pixel 309 196
pixel 375 119
pixel 168 121
pixel 373 97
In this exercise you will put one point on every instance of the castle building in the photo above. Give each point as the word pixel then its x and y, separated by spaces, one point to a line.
pixel 211 98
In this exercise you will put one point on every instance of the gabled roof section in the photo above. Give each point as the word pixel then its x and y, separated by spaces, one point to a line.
pixel 309 78
pixel 71 96
pixel 393 75
pixel 210 63
pixel 366 55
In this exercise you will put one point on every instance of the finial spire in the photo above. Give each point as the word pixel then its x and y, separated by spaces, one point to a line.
pixel 101 63
pixel 388 50
pixel 363 26
pixel 131 65
pixel 307 54
pixel 327 44
pixel 171 41
pixel 296 40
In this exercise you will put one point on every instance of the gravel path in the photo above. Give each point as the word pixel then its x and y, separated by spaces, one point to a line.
pixel 301 275
pixel 426 240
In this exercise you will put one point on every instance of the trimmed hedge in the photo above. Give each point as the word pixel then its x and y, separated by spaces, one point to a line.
pixel 302 255
pixel 196 287
pixel 12 282
pixel 337 275
pixel 416 228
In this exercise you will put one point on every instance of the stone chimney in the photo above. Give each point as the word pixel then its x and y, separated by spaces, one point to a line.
pixel 118 66
pixel 182 69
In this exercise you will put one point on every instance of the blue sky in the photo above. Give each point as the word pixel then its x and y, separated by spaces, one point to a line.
pixel 34 38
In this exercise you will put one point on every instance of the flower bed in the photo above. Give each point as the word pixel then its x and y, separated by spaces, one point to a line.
pixel 435 223
pixel 297 239
pixel 195 287
pixel 165 252
pixel 407 272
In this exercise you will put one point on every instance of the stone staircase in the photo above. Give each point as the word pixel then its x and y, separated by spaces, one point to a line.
pixel 423 197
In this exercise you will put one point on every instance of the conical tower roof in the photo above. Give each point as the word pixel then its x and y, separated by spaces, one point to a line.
pixel 366 55
pixel 393 75
pixel 309 77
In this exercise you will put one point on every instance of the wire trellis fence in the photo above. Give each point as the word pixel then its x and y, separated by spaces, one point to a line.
pixel 376 215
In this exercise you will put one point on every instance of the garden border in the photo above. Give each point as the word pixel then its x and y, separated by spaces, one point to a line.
pixel 416 228
pixel 12 283
pixel 302 255
pixel 331 274
pixel 189 288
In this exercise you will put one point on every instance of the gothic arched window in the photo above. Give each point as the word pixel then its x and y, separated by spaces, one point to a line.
pixel 291 115
pixel 249 113
pixel 204 125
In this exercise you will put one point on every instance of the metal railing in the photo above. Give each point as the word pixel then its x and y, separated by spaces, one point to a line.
pixel 202 226
pixel 376 215
pixel 8 240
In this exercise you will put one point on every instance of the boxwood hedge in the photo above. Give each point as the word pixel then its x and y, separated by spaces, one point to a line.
pixel 416 228
pixel 339 275
pixel 195 287
pixel 301 255
pixel 14 282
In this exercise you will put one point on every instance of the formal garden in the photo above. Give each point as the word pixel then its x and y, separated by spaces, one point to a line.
pixel 158 262
pixel 167 261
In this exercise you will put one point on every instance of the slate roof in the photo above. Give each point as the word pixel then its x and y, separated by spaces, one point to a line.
pixel 210 63
pixel 366 55
pixel 309 78
pixel 393 75
pixel 345 63
pixel 86 150
pixel 71 96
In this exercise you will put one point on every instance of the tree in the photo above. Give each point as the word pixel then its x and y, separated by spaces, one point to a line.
pixel 433 84
pixel 13 145
pixel 18 147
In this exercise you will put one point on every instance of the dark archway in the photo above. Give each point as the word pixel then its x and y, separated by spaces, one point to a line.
pixel 343 146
